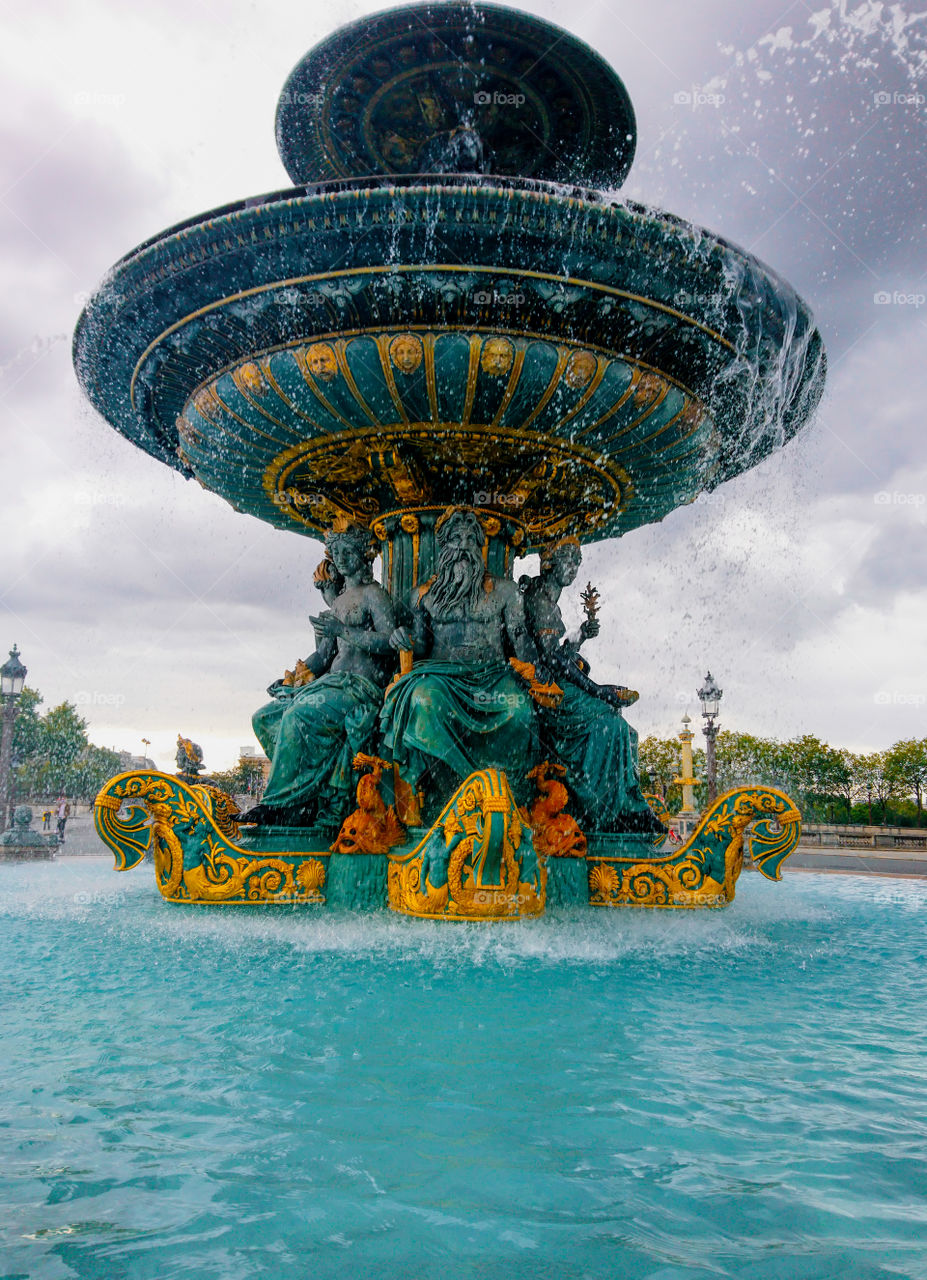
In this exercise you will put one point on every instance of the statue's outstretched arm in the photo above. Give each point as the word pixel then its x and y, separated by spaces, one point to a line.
pixel 564 662
pixel 561 659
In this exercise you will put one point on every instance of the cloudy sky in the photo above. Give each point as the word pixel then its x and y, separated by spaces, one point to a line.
pixel 796 130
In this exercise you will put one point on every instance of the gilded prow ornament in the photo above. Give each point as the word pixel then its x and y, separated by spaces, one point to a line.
pixel 192 834
pixel 556 833
pixel 373 827
pixel 704 871
pixel 477 862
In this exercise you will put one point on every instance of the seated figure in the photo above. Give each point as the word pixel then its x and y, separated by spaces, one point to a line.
pixel 312 732
pixel 461 708
pixel 266 720
pixel 586 731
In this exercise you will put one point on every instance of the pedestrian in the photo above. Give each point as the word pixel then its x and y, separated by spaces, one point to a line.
pixel 46 820
pixel 62 812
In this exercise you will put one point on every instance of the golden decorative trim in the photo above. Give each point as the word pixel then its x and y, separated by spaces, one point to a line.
pixel 638 366
pixel 196 823
pixel 341 351
pixel 473 370
pixel 384 343
pixel 514 379
pixel 431 382
pixel 635 367
pixel 563 355
pixel 231 299
pixel 353 443
pixel 481 815
pixel 300 355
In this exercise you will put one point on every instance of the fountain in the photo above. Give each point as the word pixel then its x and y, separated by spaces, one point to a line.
pixel 19 843
pixel 450 344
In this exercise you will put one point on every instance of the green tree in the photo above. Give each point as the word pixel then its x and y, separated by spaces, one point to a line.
pixel 246 778
pixel 816 771
pixel 746 760
pixel 85 776
pixel 857 782
pixel 879 781
pixel 843 778
pixel 906 765
pixel 659 764
pixel 54 745
pixel 27 727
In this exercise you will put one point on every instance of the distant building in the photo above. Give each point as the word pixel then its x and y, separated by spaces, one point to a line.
pixel 128 761
pixel 250 758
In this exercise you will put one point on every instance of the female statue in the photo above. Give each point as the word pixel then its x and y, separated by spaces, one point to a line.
pixel 266 720
pixel 313 731
pixel 586 731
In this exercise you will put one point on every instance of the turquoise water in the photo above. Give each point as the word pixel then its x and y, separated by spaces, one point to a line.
pixel 217 1094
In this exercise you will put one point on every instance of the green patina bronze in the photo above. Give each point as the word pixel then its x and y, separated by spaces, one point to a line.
pixel 450 88
pixel 450 344
pixel 19 843
pixel 312 733
pixel 586 729
pixel 461 708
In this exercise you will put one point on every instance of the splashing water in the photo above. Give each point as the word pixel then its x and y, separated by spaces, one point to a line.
pixel 216 1093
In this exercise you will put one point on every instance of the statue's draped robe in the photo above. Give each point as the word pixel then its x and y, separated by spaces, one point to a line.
pixel 467 716
pixel 311 736
pixel 598 748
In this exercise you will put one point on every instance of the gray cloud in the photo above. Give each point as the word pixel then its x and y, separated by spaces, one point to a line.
pixel 797 587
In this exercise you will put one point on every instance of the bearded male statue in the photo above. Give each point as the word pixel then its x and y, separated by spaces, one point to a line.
pixel 461 708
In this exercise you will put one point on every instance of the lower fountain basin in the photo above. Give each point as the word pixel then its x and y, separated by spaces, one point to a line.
pixel 233 1092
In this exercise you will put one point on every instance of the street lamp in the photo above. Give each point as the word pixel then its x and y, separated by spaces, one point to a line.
pixel 12 679
pixel 710 697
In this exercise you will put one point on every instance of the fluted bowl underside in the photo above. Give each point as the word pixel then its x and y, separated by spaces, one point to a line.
pixel 583 366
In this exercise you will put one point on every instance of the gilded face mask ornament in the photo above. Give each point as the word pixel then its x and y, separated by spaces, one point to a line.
pixel 322 362
pixel 580 370
pixel 497 357
pixel 406 352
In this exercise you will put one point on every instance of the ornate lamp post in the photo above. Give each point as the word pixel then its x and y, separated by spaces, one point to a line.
pixel 710 697
pixel 12 679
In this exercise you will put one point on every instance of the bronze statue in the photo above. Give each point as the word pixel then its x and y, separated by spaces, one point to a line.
pixel 189 759
pixel 461 708
pixel 312 733
pixel 586 731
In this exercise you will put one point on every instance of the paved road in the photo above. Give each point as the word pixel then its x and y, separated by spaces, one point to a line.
pixel 859 862
pixel 80 839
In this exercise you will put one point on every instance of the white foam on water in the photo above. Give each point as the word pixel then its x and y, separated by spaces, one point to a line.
pixel 91 894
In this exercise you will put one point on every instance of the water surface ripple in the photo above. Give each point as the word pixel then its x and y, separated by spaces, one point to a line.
pixel 225 1093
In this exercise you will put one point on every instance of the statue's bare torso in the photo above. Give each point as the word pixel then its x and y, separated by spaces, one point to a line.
pixel 480 636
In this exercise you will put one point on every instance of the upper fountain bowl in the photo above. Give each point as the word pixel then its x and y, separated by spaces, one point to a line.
pixel 455 88
pixel 485 327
